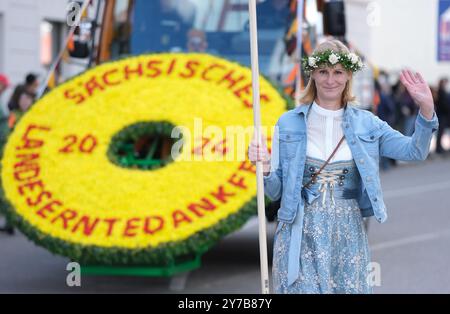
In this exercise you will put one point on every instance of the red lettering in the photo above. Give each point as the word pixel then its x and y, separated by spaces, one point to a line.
pixel 208 69
pixel 88 225
pixel 72 140
pixel 92 85
pixel 31 186
pixel 246 89
pixel 190 66
pixel 237 183
pixel 220 147
pixel 34 173
pixel 151 65
pixel 130 227
pixel 246 165
pixel 107 80
pixel 171 66
pixel 111 222
pixel 221 195
pixel 229 78
pixel 178 216
pixel 25 160
pixel 39 198
pixel 30 143
pixel 129 72
pixel 206 205
pixel 78 97
pixel 199 149
pixel 65 216
pixel 150 228
pixel 48 208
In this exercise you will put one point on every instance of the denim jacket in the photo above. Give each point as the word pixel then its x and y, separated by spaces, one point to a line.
pixel 368 138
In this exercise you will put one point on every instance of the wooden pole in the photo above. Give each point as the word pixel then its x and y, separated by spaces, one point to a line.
pixel 259 165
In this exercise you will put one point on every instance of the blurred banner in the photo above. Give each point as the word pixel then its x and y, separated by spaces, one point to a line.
pixel 444 31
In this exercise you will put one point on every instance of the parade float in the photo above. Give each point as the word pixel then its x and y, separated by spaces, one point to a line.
pixel 74 181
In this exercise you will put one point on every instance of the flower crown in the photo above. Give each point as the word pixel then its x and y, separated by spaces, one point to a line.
pixel 349 61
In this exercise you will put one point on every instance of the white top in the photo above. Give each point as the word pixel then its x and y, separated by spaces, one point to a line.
pixel 324 133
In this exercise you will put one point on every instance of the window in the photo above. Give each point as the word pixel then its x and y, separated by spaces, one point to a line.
pixel 51 41
pixel 218 27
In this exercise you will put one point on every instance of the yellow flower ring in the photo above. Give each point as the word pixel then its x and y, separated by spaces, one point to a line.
pixel 68 190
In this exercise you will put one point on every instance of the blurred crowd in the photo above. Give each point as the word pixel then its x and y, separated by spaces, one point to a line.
pixel 393 104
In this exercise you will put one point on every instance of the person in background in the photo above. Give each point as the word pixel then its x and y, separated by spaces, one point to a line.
pixel 4 130
pixel 4 84
pixel 386 112
pixel 22 98
pixel 408 110
pixel 196 41
pixel 443 112
pixel 386 106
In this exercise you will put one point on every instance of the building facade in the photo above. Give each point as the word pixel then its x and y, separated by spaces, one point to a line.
pixel 31 32
pixel 398 34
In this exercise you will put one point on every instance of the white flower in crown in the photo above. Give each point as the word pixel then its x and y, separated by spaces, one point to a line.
pixel 360 64
pixel 312 61
pixel 353 58
pixel 333 59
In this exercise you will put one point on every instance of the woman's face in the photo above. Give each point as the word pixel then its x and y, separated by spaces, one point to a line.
pixel 330 82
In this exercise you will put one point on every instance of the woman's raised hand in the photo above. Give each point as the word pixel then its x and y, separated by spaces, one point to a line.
pixel 419 91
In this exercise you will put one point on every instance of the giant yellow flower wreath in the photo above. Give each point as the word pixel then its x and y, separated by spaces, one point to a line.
pixel 68 190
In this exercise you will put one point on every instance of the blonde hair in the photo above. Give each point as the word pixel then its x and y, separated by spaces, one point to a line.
pixel 309 94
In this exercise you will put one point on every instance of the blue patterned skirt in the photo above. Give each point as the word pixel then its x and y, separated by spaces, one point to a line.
pixel 334 253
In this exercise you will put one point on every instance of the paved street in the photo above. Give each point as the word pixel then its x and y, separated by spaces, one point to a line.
pixel 412 248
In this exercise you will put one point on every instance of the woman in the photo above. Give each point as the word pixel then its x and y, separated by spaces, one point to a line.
pixel 22 99
pixel 320 244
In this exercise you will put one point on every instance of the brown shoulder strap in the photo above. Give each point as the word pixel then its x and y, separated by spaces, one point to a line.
pixel 326 162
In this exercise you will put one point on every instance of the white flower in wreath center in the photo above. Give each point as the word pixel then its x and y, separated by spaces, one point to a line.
pixel 333 59
pixel 353 58
pixel 312 61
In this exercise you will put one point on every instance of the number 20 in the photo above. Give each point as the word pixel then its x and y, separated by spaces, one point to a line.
pixel 87 144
